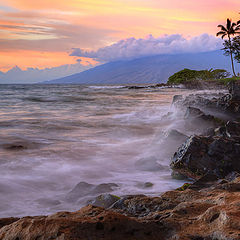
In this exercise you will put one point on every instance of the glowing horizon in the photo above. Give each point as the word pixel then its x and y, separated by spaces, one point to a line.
pixel 42 33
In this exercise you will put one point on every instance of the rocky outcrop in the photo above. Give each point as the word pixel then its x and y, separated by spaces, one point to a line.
pixel 217 150
pixel 218 154
pixel 188 214
pixel 222 102
pixel 234 90
pixel 204 85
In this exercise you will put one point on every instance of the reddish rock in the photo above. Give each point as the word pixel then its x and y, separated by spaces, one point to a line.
pixel 206 214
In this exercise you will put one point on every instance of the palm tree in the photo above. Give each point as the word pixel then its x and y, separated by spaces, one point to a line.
pixel 228 31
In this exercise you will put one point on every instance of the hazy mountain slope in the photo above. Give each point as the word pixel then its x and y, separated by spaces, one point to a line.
pixel 153 69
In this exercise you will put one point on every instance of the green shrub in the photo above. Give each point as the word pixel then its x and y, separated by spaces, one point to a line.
pixel 188 75
pixel 182 76
pixel 225 81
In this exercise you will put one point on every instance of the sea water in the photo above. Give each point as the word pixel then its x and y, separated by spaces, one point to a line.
pixel 53 137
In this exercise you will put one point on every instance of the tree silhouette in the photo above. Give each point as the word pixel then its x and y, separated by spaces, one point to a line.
pixel 229 31
pixel 236 48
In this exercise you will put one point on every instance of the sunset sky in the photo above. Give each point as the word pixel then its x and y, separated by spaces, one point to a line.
pixel 43 33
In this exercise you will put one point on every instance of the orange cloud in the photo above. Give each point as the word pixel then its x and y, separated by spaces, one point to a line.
pixel 37 59
pixel 28 28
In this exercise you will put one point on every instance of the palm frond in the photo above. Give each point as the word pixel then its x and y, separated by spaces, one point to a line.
pixel 222 28
pixel 224 35
pixel 229 23
pixel 221 33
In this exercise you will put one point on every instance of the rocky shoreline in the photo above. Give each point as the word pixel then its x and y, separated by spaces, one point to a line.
pixel 205 208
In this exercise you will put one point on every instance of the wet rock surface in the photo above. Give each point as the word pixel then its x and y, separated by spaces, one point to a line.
pixel 86 189
pixel 200 155
pixel 234 90
pixel 104 200
pixel 204 213
pixel 217 150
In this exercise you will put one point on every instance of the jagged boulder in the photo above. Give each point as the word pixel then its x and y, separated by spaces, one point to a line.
pixel 207 154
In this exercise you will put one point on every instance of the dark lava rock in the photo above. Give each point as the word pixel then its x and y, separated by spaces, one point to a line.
pixel 199 101
pixel 200 155
pixel 230 103
pixel 136 87
pixel 177 98
pixel 193 112
pixel 177 175
pixel 209 132
pixel 197 120
pixel 234 90
pixel 104 200
pixel 19 145
pixel 144 185
pixel 216 104
pixel 148 185
pixel 141 205
pixel 85 189
pixel 161 85
pixel 204 182
pixel 232 129
pixel 15 147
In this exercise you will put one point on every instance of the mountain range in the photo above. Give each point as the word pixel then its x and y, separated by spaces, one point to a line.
pixel 146 70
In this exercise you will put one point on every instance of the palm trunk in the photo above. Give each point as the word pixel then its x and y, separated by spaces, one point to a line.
pixel 231 54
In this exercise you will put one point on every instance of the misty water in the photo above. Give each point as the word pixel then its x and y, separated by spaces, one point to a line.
pixel 53 137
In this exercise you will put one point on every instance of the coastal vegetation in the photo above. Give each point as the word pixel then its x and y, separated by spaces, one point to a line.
pixel 231 45
pixel 187 75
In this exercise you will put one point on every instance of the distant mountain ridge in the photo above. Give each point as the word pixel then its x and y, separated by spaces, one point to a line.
pixel 16 75
pixel 145 70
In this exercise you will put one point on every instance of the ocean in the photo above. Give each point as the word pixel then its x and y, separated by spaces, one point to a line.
pixel 106 139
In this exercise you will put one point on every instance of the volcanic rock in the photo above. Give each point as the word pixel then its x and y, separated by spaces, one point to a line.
pixel 206 154
pixel 104 200
pixel 207 213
